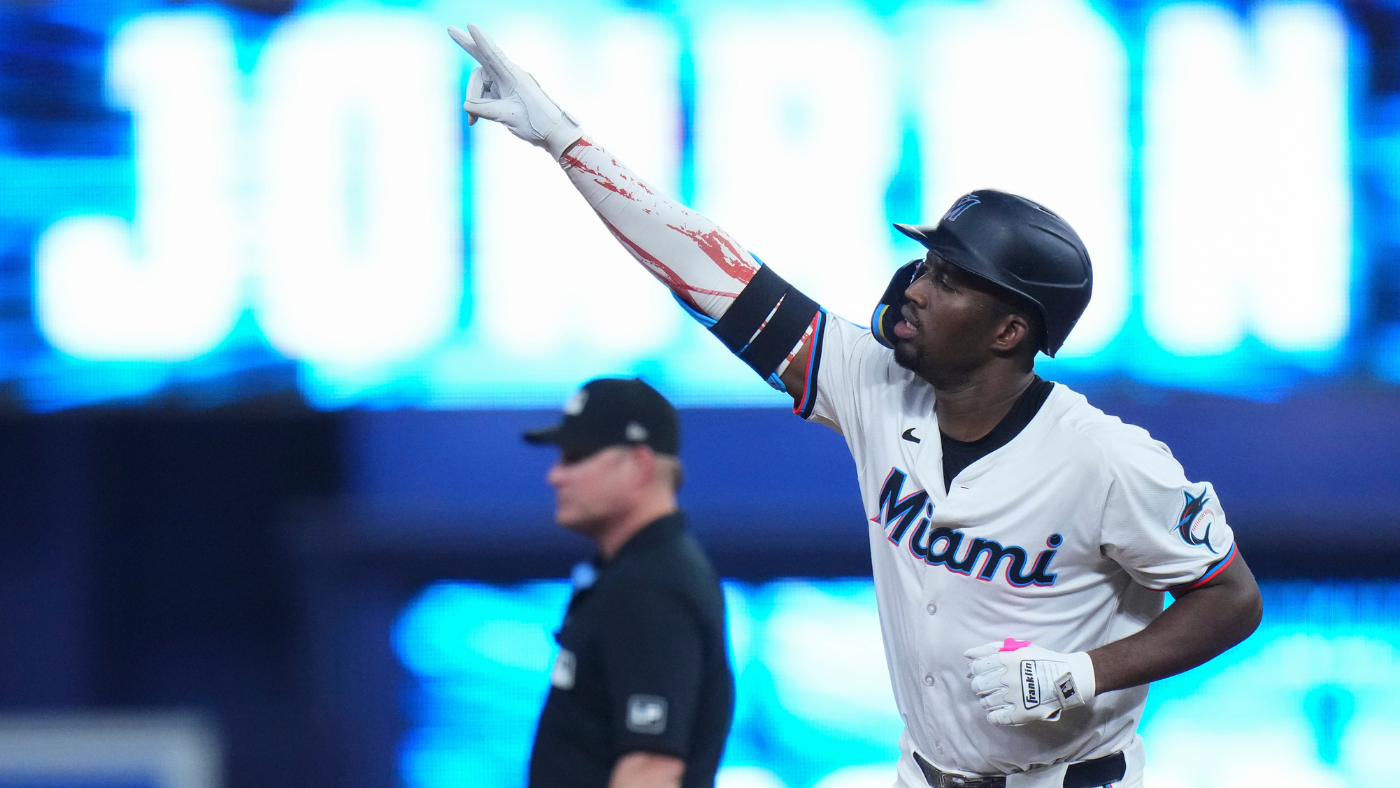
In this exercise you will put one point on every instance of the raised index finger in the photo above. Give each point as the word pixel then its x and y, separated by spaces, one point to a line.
pixel 491 55
pixel 464 40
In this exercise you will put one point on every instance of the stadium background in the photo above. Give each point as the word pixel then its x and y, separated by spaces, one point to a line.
pixel 272 319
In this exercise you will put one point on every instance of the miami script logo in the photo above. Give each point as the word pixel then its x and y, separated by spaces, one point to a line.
pixel 911 515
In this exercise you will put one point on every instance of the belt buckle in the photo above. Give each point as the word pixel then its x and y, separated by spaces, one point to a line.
pixel 932 775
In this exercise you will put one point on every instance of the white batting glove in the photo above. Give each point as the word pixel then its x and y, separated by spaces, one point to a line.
pixel 1019 682
pixel 501 91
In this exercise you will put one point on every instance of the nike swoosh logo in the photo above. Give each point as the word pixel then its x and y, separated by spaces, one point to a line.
pixel 909 436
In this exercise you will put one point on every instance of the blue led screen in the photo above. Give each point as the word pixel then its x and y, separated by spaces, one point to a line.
pixel 201 204
pixel 1305 702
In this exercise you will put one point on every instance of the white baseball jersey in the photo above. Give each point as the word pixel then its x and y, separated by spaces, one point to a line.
pixel 1066 536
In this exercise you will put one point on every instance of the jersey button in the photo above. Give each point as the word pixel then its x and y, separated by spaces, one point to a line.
pixel 932 608
pixel 928 680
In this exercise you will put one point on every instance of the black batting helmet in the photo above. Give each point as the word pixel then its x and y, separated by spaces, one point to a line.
pixel 1021 246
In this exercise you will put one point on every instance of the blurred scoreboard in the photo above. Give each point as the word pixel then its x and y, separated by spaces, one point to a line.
pixel 200 204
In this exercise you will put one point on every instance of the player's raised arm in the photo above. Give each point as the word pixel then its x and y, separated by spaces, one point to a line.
pixel 760 317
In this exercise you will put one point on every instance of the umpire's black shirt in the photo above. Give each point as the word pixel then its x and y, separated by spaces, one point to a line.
pixel 642 667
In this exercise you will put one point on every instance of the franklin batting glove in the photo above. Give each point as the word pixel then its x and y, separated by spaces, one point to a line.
pixel 1019 682
pixel 501 91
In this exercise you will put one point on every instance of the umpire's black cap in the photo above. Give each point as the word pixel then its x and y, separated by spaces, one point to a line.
pixel 612 412
pixel 1021 246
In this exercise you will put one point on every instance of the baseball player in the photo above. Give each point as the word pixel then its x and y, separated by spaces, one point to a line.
pixel 1021 539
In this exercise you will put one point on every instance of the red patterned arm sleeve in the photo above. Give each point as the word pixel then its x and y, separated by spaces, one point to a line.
pixel 704 267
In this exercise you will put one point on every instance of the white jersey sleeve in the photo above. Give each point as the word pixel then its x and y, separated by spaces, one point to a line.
pixel 1165 531
pixel 845 370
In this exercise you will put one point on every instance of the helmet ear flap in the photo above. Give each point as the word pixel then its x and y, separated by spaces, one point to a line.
pixel 887 312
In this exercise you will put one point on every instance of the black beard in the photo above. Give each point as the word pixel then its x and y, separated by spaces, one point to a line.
pixel 911 358
pixel 907 356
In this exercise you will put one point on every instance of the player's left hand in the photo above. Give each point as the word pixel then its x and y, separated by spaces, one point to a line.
pixel 1019 682
pixel 501 91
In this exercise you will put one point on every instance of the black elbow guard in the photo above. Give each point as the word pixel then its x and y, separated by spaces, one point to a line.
pixel 779 309
pixel 887 312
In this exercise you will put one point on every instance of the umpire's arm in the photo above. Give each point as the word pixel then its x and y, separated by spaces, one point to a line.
pixel 653 657
pixel 647 770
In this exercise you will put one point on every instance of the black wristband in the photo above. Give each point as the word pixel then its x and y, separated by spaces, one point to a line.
pixel 786 310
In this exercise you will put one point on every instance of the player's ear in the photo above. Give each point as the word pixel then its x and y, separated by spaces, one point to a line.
pixel 1011 331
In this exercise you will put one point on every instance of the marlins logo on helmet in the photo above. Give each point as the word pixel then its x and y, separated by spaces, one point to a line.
pixel 964 202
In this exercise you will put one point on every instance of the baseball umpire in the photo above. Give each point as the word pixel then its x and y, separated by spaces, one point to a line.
pixel 1021 539
pixel 642 694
